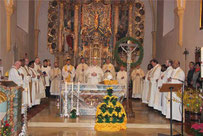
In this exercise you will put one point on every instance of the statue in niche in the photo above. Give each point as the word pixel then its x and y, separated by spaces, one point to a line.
pixel 68 36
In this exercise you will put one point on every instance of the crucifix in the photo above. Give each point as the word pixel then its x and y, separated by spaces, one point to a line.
pixel 128 48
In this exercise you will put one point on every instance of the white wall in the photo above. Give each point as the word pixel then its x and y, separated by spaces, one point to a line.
pixel 43 52
pixel 169 16
pixel 167 46
pixel 23 14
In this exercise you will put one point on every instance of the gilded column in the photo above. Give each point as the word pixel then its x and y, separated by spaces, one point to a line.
pixel 61 24
pixel 9 11
pixel 130 21
pixel 180 11
pixel 76 12
pixel 116 20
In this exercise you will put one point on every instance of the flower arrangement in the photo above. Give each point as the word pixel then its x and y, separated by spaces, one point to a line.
pixel 192 100
pixel 5 129
pixel 197 129
pixel 73 114
pixel 110 115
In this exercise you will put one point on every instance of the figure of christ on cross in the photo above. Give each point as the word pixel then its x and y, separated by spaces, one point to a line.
pixel 128 48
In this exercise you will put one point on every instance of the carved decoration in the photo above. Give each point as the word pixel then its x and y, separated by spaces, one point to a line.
pixel 96 30
pixel 52 37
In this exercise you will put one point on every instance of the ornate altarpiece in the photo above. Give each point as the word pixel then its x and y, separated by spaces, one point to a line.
pixel 91 28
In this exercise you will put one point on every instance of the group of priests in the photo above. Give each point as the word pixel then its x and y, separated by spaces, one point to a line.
pixel 93 74
pixel 40 80
pixel 157 75
pixel 37 80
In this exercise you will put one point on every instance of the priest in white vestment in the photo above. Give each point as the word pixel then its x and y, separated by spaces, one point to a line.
pixel 146 85
pixel 68 71
pixel 156 72
pixel 46 75
pixel 137 78
pixel 37 67
pixel 108 68
pixel 26 83
pixel 35 92
pixel 158 94
pixel 177 76
pixel 55 79
pixel 15 75
pixel 94 74
pixel 80 71
pixel 167 75
pixel 122 77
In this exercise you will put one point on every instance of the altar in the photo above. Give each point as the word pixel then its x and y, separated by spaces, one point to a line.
pixel 85 97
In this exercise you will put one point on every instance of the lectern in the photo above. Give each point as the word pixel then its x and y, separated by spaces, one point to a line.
pixel 170 87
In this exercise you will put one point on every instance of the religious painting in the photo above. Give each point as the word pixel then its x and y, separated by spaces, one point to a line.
pixel 68 30
pixel 123 22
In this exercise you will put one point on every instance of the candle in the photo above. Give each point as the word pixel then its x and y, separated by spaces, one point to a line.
pixel 202 62
pixel 65 86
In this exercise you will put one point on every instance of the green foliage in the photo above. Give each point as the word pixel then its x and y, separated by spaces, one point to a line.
pixel 140 48
pixel 73 114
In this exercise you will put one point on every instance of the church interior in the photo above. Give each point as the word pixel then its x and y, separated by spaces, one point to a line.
pixel 101 67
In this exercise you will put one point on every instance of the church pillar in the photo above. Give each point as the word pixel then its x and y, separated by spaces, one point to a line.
pixel 116 20
pixel 36 42
pixel 36 33
pixel 76 14
pixel 9 12
pixel 154 32
pixel 130 21
pixel 61 25
pixel 180 11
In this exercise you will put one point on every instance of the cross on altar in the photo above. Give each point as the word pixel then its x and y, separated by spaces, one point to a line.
pixel 130 48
